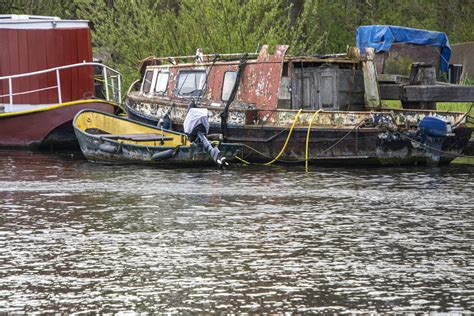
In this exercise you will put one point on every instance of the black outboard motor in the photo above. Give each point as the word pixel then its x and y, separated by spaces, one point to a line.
pixel 165 121
pixel 196 126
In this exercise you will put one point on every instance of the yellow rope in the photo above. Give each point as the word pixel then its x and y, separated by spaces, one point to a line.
pixel 245 162
pixel 284 146
pixel 287 140
pixel 307 139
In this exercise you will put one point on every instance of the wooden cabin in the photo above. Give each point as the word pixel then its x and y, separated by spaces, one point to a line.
pixel 46 78
pixel 35 43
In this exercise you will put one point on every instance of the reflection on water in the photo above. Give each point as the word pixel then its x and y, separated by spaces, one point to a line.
pixel 81 237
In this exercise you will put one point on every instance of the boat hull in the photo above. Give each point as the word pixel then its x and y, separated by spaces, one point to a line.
pixel 102 149
pixel 330 145
pixel 470 148
pixel 140 117
pixel 115 153
pixel 46 128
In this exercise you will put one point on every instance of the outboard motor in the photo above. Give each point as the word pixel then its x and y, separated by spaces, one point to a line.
pixel 196 126
pixel 433 132
pixel 165 121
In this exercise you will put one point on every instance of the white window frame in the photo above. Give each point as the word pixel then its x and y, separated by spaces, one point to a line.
pixel 184 71
pixel 223 82
pixel 153 82
pixel 159 71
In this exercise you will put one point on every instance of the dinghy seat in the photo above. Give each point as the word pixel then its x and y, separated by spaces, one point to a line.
pixel 149 137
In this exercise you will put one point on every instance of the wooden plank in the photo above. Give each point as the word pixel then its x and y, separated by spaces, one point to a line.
pixel 372 96
pixel 74 71
pixel 66 74
pixel 137 137
pixel 391 91
pixel 89 57
pixel 14 61
pixel 392 78
pixel 427 93
pixel 304 94
pixel 85 79
pixel 51 62
pixel 327 96
pixel 24 66
pixel 42 65
pixel 59 59
pixel 34 64
pixel 4 63
pixel 438 93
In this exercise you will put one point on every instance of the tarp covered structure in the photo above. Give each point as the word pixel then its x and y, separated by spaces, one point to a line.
pixel 381 38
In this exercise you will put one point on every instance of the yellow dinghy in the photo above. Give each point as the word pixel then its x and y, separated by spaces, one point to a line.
pixel 108 138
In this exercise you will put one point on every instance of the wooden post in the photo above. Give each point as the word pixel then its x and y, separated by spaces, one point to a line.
pixel 372 96
pixel 425 75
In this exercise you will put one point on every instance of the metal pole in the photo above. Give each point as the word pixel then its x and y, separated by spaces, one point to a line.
pixel 113 86
pixel 58 83
pixel 119 87
pixel 206 55
pixel 10 90
pixel 104 73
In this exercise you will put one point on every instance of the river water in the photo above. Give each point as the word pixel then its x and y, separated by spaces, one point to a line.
pixel 79 237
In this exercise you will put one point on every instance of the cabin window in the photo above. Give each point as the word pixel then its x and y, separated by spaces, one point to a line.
pixel 228 85
pixel 190 83
pixel 162 82
pixel 147 80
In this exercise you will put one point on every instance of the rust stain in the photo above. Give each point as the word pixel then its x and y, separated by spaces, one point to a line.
pixel 259 83
pixel 284 118
pixel 216 80
pixel 261 80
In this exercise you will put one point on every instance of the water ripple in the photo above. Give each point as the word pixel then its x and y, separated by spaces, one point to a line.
pixel 78 237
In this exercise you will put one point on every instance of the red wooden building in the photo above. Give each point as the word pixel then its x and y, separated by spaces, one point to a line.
pixel 34 43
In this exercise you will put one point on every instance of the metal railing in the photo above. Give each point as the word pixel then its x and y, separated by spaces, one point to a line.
pixel 112 81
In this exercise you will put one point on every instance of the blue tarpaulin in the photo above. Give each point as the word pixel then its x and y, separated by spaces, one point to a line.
pixel 381 38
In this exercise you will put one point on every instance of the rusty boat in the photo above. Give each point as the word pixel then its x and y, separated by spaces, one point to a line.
pixel 323 109
pixel 47 75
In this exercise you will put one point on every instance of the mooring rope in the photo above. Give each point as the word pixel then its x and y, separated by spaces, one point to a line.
pixel 287 139
pixel 307 139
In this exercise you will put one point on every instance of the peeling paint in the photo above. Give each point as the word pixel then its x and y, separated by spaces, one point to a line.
pixel 255 120
pixel 284 118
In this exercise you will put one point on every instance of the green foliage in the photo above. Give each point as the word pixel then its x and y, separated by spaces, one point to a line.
pixel 441 106
pixel 392 104
pixel 230 26
pixel 132 30
pixel 126 31
pixel 305 36
pixel 456 107
pixel 61 8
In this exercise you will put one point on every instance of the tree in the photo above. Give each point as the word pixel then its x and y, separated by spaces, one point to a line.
pixel 129 30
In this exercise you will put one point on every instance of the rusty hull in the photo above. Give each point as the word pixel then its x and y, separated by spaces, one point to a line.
pixel 241 116
pixel 335 138
pixel 374 146
pixel 380 136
